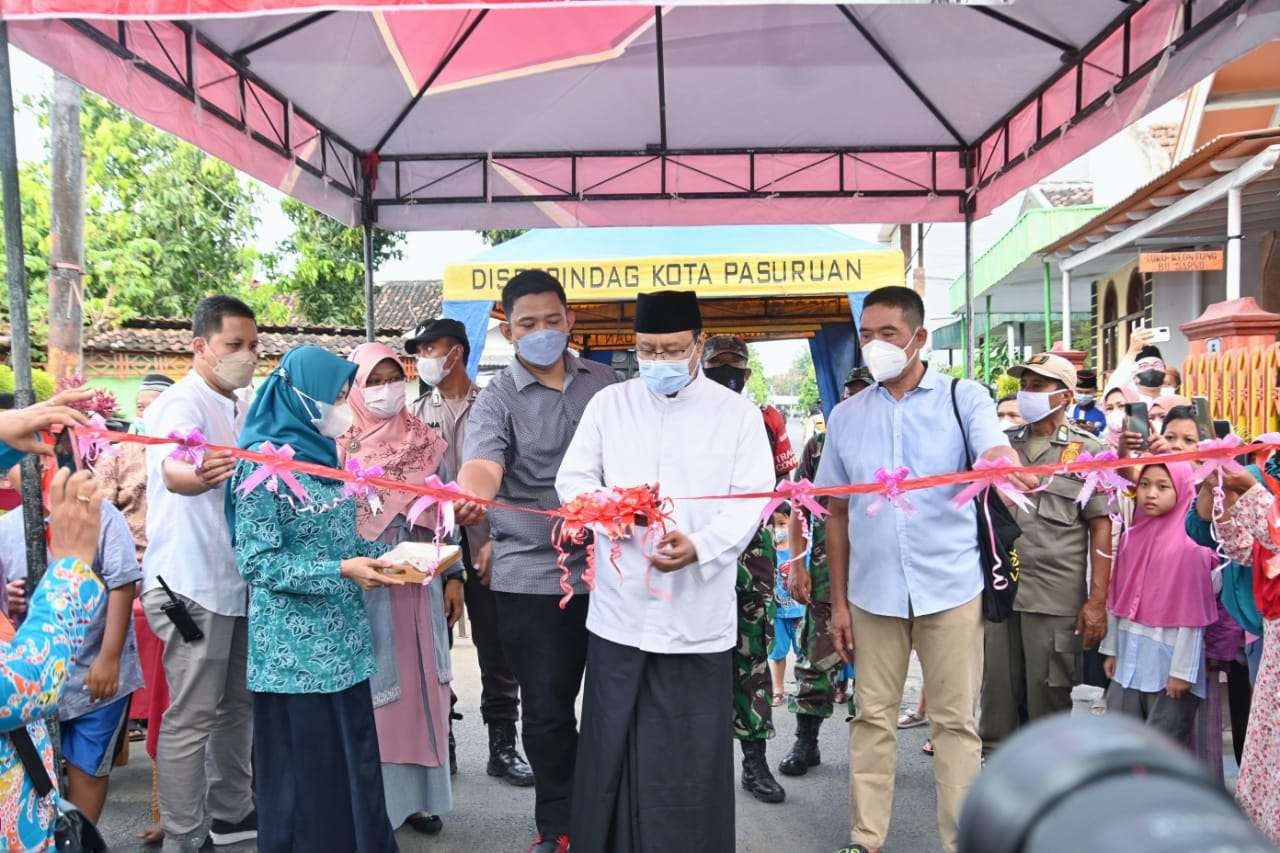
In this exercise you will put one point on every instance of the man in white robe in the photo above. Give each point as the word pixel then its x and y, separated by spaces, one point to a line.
pixel 655 752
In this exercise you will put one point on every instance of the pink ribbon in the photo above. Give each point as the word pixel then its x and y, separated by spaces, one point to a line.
pixel 891 492
pixel 1221 465
pixel 360 487
pixel 800 493
pixel 997 478
pixel 92 443
pixel 1108 480
pixel 191 445
pixel 272 471
pixel 444 516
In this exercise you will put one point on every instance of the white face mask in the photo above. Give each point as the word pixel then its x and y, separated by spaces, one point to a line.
pixel 334 419
pixel 385 401
pixel 431 368
pixel 1115 420
pixel 1168 391
pixel 886 361
pixel 1035 406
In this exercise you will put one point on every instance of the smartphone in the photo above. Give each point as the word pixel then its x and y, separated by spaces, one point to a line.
pixel 1160 335
pixel 1222 429
pixel 1204 422
pixel 64 451
pixel 1137 420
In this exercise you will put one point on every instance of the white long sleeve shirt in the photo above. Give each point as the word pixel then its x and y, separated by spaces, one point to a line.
pixel 705 440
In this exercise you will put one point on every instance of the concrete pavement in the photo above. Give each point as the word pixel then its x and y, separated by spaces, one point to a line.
pixel 492 817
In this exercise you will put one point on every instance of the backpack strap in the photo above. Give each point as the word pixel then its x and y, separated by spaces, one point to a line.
pixel 964 435
pixel 26 749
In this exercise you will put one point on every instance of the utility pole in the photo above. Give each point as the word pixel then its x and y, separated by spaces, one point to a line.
pixel 66 242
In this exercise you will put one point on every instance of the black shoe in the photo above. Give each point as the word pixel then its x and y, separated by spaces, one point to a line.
pixel 427 824
pixel 804 752
pixel 505 762
pixel 756 777
pixel 224 832
pixel 453 754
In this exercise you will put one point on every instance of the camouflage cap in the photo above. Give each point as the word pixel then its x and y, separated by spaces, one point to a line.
pixel 718 344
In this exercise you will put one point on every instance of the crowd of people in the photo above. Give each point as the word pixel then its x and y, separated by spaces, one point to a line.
pixel 298 688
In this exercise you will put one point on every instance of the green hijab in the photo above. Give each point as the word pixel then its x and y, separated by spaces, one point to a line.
pixel 279 415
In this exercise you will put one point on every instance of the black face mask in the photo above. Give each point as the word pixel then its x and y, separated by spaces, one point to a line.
pixel 1151 378
pixel 733 378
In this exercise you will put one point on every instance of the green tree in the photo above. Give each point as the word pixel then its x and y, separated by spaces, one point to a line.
pixel 320 266
pixel 165 224
pixel 758 384
pixel 500 235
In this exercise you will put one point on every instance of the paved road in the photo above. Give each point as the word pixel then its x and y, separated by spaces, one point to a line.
pixel 492 817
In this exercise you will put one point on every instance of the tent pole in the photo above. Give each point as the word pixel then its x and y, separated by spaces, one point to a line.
pixel 367 234
pixel 19 323
pixel 968 292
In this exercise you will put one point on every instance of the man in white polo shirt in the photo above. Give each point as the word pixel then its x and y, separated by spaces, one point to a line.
pixel 189 547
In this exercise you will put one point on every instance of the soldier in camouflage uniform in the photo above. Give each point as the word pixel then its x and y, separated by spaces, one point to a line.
pixel 752 709
pixel 816 673
pixel 725 361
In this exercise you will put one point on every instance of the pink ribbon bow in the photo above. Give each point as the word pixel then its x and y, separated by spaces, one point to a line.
pixel 997 477
pixel 1222 465
pixel 800 493
pixel 360 487
pixel 444 517
pixel 274 470
pixel 1108 479
pixel 92 443
pixel 891 492
pixel 190 446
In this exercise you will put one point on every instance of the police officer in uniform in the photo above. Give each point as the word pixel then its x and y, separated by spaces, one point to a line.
pixel 1033 659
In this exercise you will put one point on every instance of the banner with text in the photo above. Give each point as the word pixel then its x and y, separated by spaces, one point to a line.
pixel 711 276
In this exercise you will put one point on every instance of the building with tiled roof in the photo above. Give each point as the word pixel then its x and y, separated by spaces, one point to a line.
pixel 163 345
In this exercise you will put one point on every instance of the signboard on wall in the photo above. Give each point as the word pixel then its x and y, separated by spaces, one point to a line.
pixel 1180 261
pixel 712 276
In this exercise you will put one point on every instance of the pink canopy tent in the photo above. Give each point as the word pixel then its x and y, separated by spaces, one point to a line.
pixel 463 114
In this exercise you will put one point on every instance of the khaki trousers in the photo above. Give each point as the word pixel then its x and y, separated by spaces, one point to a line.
pixel 1031 658
pixel 203 758
pixel 949 645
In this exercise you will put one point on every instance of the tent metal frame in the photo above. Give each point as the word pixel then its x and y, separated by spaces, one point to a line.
pixel 347 168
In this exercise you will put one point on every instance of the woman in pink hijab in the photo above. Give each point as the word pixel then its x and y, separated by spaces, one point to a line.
pixel 410 622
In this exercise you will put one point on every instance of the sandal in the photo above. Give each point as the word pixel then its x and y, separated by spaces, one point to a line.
pixel 927 749
pixel 778 699
pixel 911 720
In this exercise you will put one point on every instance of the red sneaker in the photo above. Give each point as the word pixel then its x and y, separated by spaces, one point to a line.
pixel 559 844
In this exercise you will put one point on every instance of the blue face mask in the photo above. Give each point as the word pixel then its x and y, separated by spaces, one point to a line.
pixel 665 378
pixel 543 348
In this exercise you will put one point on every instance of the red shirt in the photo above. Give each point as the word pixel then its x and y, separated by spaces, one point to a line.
pixel 784 457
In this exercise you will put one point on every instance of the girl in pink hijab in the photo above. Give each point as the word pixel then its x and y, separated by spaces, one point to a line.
pixel 411 622
pixel 1160 602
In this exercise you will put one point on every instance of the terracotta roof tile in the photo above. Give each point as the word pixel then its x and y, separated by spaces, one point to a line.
pixel 1067 193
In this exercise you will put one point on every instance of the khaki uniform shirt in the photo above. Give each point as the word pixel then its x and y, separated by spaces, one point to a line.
pixel 450 421
pixel 1054 546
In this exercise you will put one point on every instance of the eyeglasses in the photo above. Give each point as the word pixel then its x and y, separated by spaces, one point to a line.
pixel 646 354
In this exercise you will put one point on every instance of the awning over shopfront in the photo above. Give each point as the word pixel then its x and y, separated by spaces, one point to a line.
pixel 763 283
